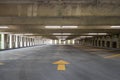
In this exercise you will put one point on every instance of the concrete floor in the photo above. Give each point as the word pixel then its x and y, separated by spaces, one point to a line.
pixel 35 63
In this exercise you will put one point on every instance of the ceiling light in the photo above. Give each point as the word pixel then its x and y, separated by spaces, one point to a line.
pixel 97 33
pixel 66 33
pixel 3 27
pixel 56 33
pixel 62 37
pixel 61 33
pixel 69 26
pixel 61 27
pixel 115 26
pixel 29 34
pixel 52 27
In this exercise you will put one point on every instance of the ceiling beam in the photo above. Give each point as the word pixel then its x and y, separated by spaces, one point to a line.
pixel 64 35
pixel 50 31
pixel 81 21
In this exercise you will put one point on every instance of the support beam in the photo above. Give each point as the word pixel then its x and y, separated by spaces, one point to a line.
pixel 82 21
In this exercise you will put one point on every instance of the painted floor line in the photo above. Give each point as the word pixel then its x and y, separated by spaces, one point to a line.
pixel 1 63
pixel 112 56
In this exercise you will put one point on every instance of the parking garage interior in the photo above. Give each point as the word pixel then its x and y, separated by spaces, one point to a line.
pixel 82 34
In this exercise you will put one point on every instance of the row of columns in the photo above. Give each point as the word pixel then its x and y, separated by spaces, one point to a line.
pixel 63 42
pixel 9 41
pixel 112 41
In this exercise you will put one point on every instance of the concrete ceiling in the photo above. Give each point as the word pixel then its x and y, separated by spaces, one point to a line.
pixel 31 16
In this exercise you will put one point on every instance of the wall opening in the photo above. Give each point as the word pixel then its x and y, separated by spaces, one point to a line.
pixel 108 44
pixel 103 43
pixel 95 42
pixel 114 44
pixel 99 43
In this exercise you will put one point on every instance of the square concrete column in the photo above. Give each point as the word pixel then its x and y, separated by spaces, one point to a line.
pixel 16 41
pixel 118 43
pixel 10 41
pixel 35 41
pixel 105 43
pixel 32 41
pixel 28 42
pixel 53 42
pixel 21 41
pixel 2 41
pixel 24 41
pixel 110 39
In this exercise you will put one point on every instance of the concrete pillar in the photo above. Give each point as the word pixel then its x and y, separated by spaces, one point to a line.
pixel 30 41
pixel 92 44
pixel 24 41
pixel 103 41
pixel 118 45
pixel 2 41
pixel 13 41
pixel 34 41
pixel 53 42
pixel 10 41
pixel 16 41
pixel 21 41
pixel 110 39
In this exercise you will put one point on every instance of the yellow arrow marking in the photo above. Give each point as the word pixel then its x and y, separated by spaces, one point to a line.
pixel 61 65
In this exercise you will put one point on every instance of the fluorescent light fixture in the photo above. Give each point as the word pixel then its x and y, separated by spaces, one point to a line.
pixel 61 27
pixel 66 33
pixel 70 27
pixel 102 33
pixel 97 33
pixel 52 27
pixel 89 36
pixel 28 34
pixel 56 33
pixel 115 27
pixel 61 33
pixel 3 27
pixel 62 37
